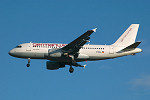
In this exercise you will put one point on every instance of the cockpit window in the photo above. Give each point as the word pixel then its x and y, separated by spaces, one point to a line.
pixel 19 46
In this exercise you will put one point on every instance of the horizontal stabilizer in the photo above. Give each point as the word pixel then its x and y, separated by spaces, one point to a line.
pixel 130 47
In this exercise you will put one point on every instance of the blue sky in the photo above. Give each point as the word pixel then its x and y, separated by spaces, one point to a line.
pixel 61 21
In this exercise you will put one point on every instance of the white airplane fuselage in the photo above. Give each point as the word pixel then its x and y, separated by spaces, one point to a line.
pixel 78 51
pixel 86 53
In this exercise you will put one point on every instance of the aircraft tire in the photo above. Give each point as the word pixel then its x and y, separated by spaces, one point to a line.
pixel 28 65
pixel 71 70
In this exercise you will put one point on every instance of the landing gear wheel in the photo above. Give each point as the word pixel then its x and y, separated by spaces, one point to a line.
pixel 71 70
pixel 28 65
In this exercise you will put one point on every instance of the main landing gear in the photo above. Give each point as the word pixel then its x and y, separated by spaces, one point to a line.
pixel 71 69
pixel 74 63
pixel 28 65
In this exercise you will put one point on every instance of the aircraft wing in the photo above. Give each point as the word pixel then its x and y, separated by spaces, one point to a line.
pixel 77 44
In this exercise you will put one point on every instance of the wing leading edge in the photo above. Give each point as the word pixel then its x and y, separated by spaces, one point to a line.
pixel 74 46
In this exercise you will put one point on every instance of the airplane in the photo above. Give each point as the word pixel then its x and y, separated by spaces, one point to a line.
pixel 60 55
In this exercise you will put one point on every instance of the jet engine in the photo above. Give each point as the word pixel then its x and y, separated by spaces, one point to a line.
pixel 52 65
pixel 54 53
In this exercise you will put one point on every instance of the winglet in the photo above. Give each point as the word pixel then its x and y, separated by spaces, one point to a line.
pixel 94 29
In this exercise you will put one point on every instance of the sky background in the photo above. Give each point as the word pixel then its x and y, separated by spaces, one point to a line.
pixel 61 21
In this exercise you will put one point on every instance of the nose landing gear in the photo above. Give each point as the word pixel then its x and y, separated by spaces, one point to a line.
pixel 71 69
pixel 28 65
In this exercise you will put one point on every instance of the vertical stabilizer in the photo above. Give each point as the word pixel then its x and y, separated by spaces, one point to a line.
pixel 128 37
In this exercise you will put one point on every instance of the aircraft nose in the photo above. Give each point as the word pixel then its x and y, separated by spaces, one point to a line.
pixel 11 52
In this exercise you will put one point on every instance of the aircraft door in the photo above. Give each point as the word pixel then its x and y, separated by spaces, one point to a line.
pixel 111 50
pixel 28 48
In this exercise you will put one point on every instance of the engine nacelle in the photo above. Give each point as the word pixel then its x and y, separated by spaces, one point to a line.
pixel 54 53
pixel 51 65
pixel 57 54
